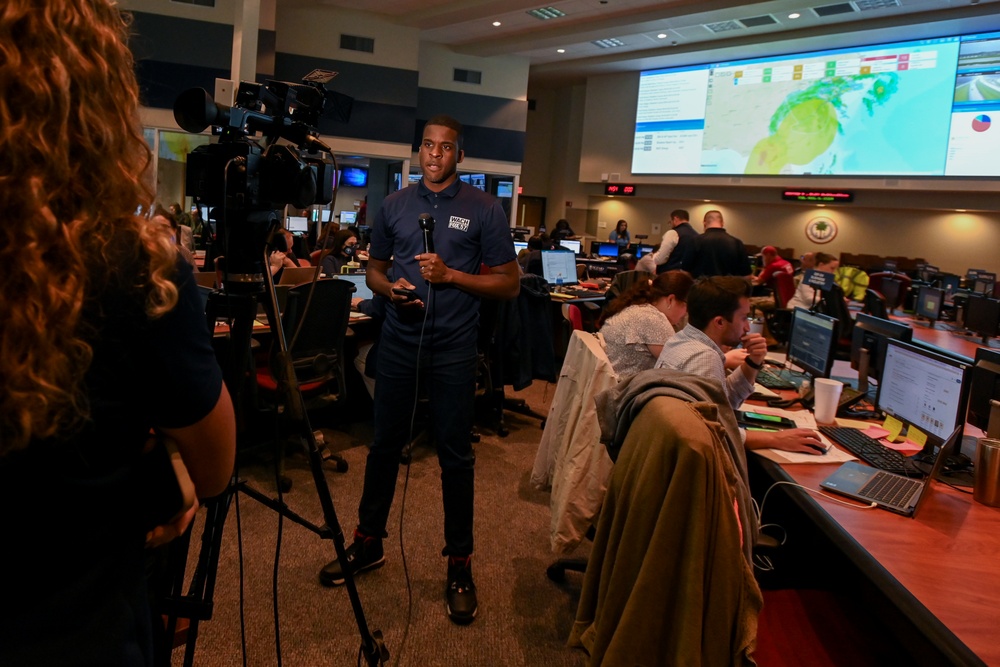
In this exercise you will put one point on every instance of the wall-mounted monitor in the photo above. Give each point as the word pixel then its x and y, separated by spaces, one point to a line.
pixel 297 224
pixel 505 188
pixel 914 108
pixel 354 177
pixel 413 178
pixel 475 180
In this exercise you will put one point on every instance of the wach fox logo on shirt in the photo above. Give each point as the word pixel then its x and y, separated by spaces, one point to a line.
pixel 461 224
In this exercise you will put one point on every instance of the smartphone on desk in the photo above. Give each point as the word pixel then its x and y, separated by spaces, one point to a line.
pixel 749 418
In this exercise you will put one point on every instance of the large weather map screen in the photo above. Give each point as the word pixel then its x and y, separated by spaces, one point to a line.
pixel 921 108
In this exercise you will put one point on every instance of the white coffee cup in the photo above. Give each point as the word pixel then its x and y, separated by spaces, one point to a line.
pixel 757 326
pixel 826 394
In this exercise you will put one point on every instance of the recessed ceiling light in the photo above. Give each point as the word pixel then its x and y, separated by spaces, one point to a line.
pixel 794 15
pixel 609 43
pixel 497 24
pixel 560 50
pixel 662 35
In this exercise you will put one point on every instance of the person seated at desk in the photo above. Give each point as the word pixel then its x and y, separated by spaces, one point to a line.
pixel 342 251
pixel 530 259
pixel 718 308
pixel 637 324
pixel 282 255
pixel 806 295
pixel 776 274
pixel 562 231
pixel 806 261
pixel 620 235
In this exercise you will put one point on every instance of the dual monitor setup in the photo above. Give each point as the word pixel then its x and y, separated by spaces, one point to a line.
pixel 299 224
pixel 598 249
pixel 931 389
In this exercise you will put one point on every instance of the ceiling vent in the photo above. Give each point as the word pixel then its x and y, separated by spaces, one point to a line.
pixel 869 5
pixel 546 13
pixel 758 21
pixel 724 26
pixel 833 10
pixel 608 43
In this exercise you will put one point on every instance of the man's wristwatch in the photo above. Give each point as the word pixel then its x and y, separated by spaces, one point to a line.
pixel 753 364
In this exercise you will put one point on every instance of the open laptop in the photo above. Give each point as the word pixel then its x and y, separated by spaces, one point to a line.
pixel 296 275
pixel 361 289
pixel 887 490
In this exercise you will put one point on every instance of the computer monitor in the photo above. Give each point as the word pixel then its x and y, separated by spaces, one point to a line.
pixel 559 267
pixel 569 244
pixel 641 250
pixel 297 224
pixel 983 285
pixel 982 316
pixel 607 250
pixel 889 265
pixel 923 388
pixel 929 302
pixel 868 342
pixel 984 391
pixel 361 289
pixel 325 215
pixel 928 273
pixel 972 274
pixel 519 246
pixel 811 341
pixel 348 217
pixel 890 289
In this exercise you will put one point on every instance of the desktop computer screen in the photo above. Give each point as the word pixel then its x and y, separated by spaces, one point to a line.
pixel 982 315
pixel 929 302
pixel 559 267
pixel 950 283
pixel 348 217
pixel 872 334
pixel 923 388
pixel 297 224
pixel 984 387
pixel 325 214
pixel 361 289
pixel 569 244
pixel 983 286
pixel 519 246
pixel 810 343
pixel 607 250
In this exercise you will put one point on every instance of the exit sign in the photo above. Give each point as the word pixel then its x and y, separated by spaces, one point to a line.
pixel 619 190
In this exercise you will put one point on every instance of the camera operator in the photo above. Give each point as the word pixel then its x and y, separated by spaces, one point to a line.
pixel 431 330
pixel 103 339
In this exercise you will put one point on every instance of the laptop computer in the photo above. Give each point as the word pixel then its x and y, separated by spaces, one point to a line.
pixel 361 289
pixel 296 275
pixel 887 490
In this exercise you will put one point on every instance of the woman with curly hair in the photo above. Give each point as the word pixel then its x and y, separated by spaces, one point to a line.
pixel 637 324
pixel 102 343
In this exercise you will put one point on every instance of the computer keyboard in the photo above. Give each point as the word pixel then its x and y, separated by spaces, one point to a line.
pixel 872 452
pixel 890 490
pixel 772 380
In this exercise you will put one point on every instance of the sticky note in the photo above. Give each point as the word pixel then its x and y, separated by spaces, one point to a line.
pixel 917 436
pixel 893 426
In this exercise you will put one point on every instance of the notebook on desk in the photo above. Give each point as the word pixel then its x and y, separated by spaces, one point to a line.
pixel 896 493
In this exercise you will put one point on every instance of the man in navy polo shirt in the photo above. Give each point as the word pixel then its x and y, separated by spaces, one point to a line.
pixel 433 331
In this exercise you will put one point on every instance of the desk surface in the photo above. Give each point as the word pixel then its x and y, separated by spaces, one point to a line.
pixel 941 569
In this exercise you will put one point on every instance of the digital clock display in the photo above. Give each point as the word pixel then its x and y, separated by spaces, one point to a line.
pixel 619 189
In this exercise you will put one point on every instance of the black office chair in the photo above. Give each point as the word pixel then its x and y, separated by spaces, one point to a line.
pixel 875 305
pixel 622 281
pixel 315 328
pixel 779 324
pixel 832 303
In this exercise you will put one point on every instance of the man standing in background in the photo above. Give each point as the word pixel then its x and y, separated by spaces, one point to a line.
pixel 675 243
pixel 716 252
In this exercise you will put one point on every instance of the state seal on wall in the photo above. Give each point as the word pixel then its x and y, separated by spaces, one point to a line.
pixel 821 229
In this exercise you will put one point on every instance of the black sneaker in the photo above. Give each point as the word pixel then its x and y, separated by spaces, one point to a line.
pixel 364 554
pixel 461 591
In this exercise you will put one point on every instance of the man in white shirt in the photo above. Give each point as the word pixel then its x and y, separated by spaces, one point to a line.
pixel 718 311
pixel 675 242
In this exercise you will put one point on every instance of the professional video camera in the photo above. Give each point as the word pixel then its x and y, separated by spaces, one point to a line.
pixel 248 182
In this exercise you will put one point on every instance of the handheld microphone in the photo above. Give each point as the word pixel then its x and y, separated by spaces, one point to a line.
pixel 427 225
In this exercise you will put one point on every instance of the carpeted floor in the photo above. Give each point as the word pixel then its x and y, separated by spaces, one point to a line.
pixel 523 619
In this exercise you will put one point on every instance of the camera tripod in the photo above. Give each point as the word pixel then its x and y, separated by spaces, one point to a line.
pixel 197 604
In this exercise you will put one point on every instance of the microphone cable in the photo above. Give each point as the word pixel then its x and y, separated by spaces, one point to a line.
pixel 406 481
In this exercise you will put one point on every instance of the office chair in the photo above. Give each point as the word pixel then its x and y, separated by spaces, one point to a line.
pixel 690 564
pixel 885 282
pixel 875 305
pixel 622 281
pixel 316 344
pixel 571 459
pixel 779 324
pixel 832 303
